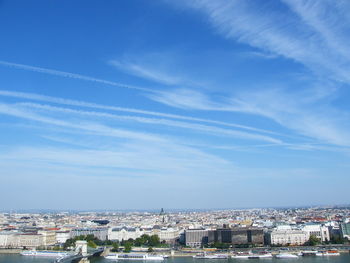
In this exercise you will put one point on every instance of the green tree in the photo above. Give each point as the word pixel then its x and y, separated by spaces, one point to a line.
pixel 139 242
pixel 115 246
pixel 69 243
pixel 313 241
pixel 127 247
pixel 91 244
pixel 150 249
pixel 154 241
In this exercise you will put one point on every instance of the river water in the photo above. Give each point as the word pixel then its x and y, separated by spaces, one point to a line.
pixel 343 258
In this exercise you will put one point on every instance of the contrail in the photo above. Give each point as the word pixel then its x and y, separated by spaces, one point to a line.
pixel 62 101
pixel 70 75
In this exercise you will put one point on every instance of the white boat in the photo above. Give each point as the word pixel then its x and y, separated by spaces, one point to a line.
pixel 286 255
pixel 252 255
pixel 51 254
pixel 328 253
pixel 242 255
pixel 210 256
pixel 261 255
pixel 116 256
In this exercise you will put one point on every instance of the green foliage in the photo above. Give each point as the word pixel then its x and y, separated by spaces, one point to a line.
pixel 91 244
pixel 69 243
pixel 94 241
pixel 338 240
pixel 313 241
pixel 150 249
pixel 115 246
pixel 127 247
pixel 220 245
pixel 154 241
pixel 145 240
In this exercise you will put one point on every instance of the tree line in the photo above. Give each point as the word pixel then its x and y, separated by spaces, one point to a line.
pixel 143 241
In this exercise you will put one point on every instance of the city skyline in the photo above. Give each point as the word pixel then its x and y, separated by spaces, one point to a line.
pixel 174 104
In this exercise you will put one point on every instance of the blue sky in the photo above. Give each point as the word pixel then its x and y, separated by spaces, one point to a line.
pixel 177 104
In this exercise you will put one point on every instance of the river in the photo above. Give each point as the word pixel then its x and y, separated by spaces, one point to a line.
pixel 343 258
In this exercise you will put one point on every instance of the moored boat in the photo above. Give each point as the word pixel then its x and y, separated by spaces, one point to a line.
pixel 252 255
pixel 286 255
pixel 328 253
pixel 308 253
pixel 210 256
pixel 116 256
pixel 261 255
pixel 51 254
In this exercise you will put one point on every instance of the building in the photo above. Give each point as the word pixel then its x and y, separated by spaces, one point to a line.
pixel 21 240
pixel 317 230
pixel 62 236
pixel 196 237
pixel 222 235
pixel 124 233
pixel 99 233
pixel 287 237
pixel 168 235
pixel 49 237
pixel 247 235
pixel 6 239
pixel 28 240
pixel 345 230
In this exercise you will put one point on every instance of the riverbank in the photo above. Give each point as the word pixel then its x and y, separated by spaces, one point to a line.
pixel 10 251
pixel 181 254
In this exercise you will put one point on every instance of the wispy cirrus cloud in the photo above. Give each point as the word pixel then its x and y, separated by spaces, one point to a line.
pixel 308 32
pixel 211 130
pixel 94 127
pixel 146 72
pixel 63 101
pixel 297 111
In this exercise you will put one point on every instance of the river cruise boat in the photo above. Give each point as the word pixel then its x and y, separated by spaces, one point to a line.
pixel 210 256
pixel 115 256
pixel 251 255
pixel 261 255
pixel 328 253
pixel 286 255
pixel 308 253
pixel 50 254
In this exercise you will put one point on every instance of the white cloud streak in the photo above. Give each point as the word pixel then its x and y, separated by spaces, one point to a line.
pixel 146 72
pixel 317 37
pixel 216 131
pixel 95 128
pixel 69 75
pixel 296 111
pixel 37 97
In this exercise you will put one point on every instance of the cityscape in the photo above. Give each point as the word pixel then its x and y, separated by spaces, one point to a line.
pixel 225 229
pixel 176 131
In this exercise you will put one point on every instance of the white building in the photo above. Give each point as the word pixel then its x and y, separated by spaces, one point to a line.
pixel 317 230
pixel 5 239
pixel 124 233
pixel 29 240
pixel 287 237
pixel 49 237
pixel 62 236
pixel 168 235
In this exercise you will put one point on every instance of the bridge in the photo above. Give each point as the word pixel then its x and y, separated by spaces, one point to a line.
pixel 81 253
